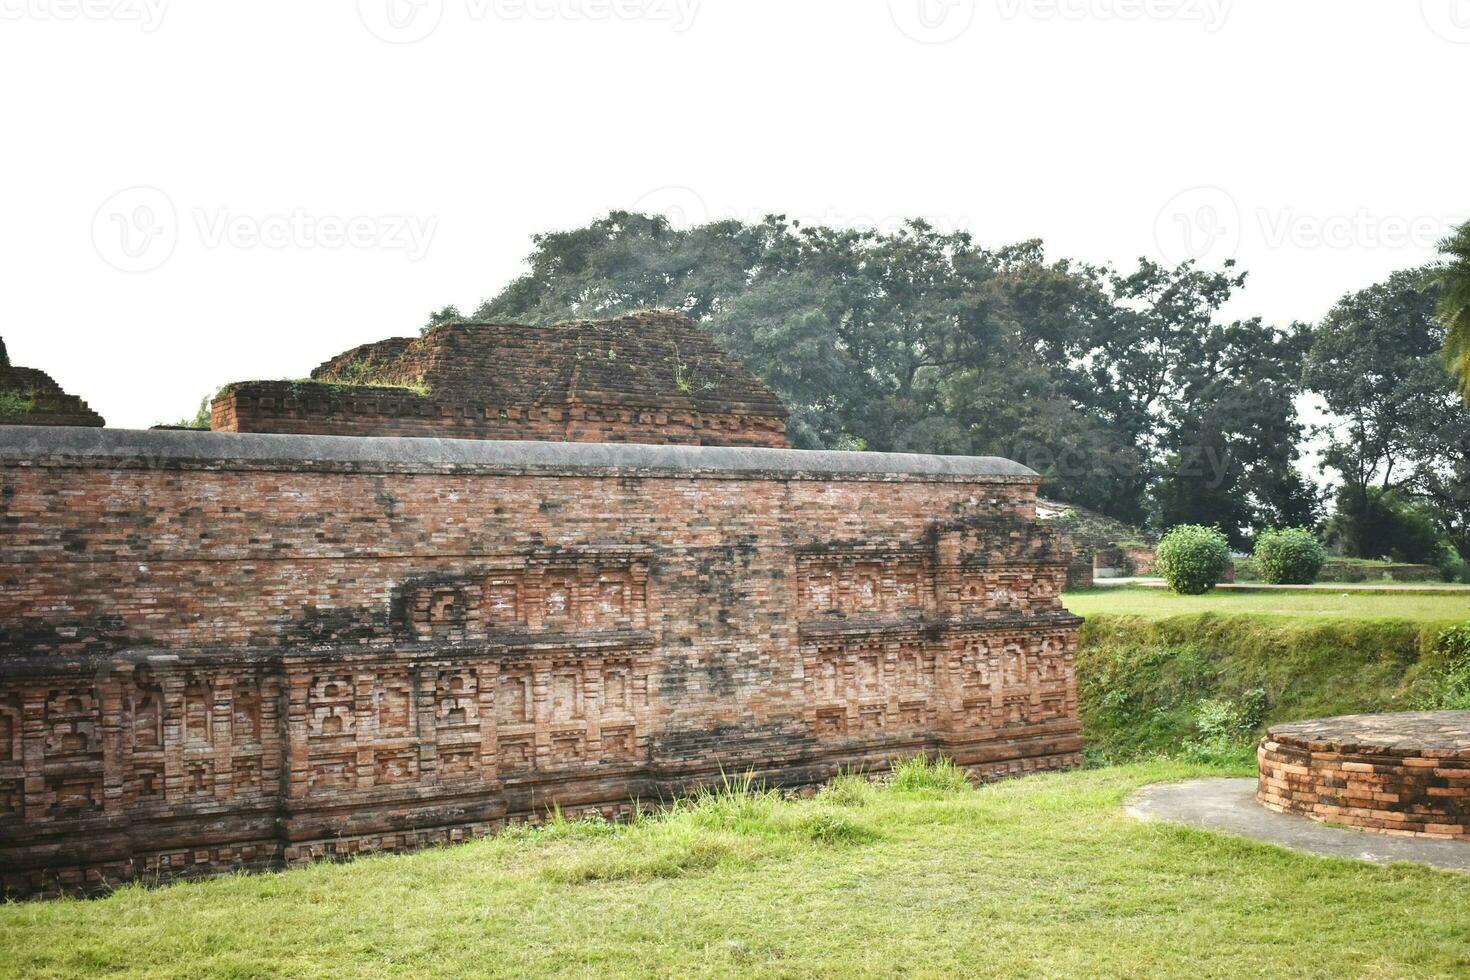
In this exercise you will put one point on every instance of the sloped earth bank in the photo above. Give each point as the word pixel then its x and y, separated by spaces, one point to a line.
pixel 1207 685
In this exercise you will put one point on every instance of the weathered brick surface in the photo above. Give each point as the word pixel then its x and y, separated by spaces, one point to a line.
pixel 1406 773
pixel 647 377
pixel 48 403
pixel 226 651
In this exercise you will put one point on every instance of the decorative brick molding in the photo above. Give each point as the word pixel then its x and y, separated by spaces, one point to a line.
pixel 644 378
pixel 1405 773
pixel 224 651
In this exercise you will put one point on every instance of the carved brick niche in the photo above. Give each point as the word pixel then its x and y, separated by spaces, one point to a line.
pixel 949 639
pixel 582 592
pixel 561 709
pixel 864 583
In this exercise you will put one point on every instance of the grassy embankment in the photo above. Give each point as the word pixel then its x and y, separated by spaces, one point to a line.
pixel 923 876
pixel 1204 675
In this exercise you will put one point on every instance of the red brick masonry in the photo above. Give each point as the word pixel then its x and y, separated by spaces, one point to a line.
pixel 1406 773
pixel 651 377
pixel 225 650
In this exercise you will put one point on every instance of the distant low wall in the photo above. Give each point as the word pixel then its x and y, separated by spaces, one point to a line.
pixel 1348 571
pixel 222 651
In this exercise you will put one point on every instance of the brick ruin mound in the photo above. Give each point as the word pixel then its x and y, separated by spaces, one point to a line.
pixel 650 377
pixel 1101 546
pixel 31 397
pixel 1406 773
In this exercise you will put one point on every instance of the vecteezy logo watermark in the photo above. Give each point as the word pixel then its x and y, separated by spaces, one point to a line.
pixel 136 229
pixel 932 21
pixel 1209 13
pixel 1202 224
pixel 1450 19
pixel 400 21
pixel 407 21
pixel 147 14
pixel 682 206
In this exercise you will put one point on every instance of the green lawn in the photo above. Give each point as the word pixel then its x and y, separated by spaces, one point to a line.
pixel 1161 603
pixel 1040 876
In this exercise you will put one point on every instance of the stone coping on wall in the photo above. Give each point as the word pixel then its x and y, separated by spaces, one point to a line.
pixel 1443 734
pixel 186 449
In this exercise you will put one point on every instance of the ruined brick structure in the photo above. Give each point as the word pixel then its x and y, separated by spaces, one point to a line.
pixel 1405 773
pixel 647 377
pixel 31 397
pixel 234 650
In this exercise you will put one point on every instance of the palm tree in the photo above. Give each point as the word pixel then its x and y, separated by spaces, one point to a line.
pixel 1454 305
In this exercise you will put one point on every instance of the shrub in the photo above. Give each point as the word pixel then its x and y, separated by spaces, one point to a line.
pixel 1452 568
pixel 1288 556
pixel 1225 728
pixel 1192 558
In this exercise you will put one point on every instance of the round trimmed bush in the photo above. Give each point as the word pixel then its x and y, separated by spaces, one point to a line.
pixel 1288 556
pixel 1192 558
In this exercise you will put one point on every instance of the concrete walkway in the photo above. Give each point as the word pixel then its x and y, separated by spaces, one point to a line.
pixel 1432 588
pixel 1229 805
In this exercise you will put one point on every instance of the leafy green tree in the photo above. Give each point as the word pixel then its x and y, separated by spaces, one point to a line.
pixel 1383 524
pixel 1401 431
pixel 922 341
pixel 449 314
pixel 1454 305
pixel 1232 433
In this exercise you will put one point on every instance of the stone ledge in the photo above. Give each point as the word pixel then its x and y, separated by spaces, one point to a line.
pixel 184 449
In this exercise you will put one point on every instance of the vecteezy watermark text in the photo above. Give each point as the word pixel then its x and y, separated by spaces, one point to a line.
pixel 407 21
pixel 1211 14
pixel 1361 229
pixel 139 228
pixel 938 21
pixel 147 14
pixel 410 234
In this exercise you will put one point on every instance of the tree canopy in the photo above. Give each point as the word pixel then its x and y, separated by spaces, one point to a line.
pixel 1454 305
pixel 1400 435
pixel 1124 388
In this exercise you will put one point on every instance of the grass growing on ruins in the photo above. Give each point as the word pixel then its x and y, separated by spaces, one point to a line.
pixel 919 876
pixel 13 403
pixel 1315 603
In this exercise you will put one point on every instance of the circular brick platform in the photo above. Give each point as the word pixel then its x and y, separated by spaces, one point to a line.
pixel 1406 773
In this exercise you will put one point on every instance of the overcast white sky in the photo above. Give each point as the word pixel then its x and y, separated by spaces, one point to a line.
pixel 199 192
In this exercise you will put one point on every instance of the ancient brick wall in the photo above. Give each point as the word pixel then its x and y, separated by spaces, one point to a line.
pixel 230 651
pixel 648 377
